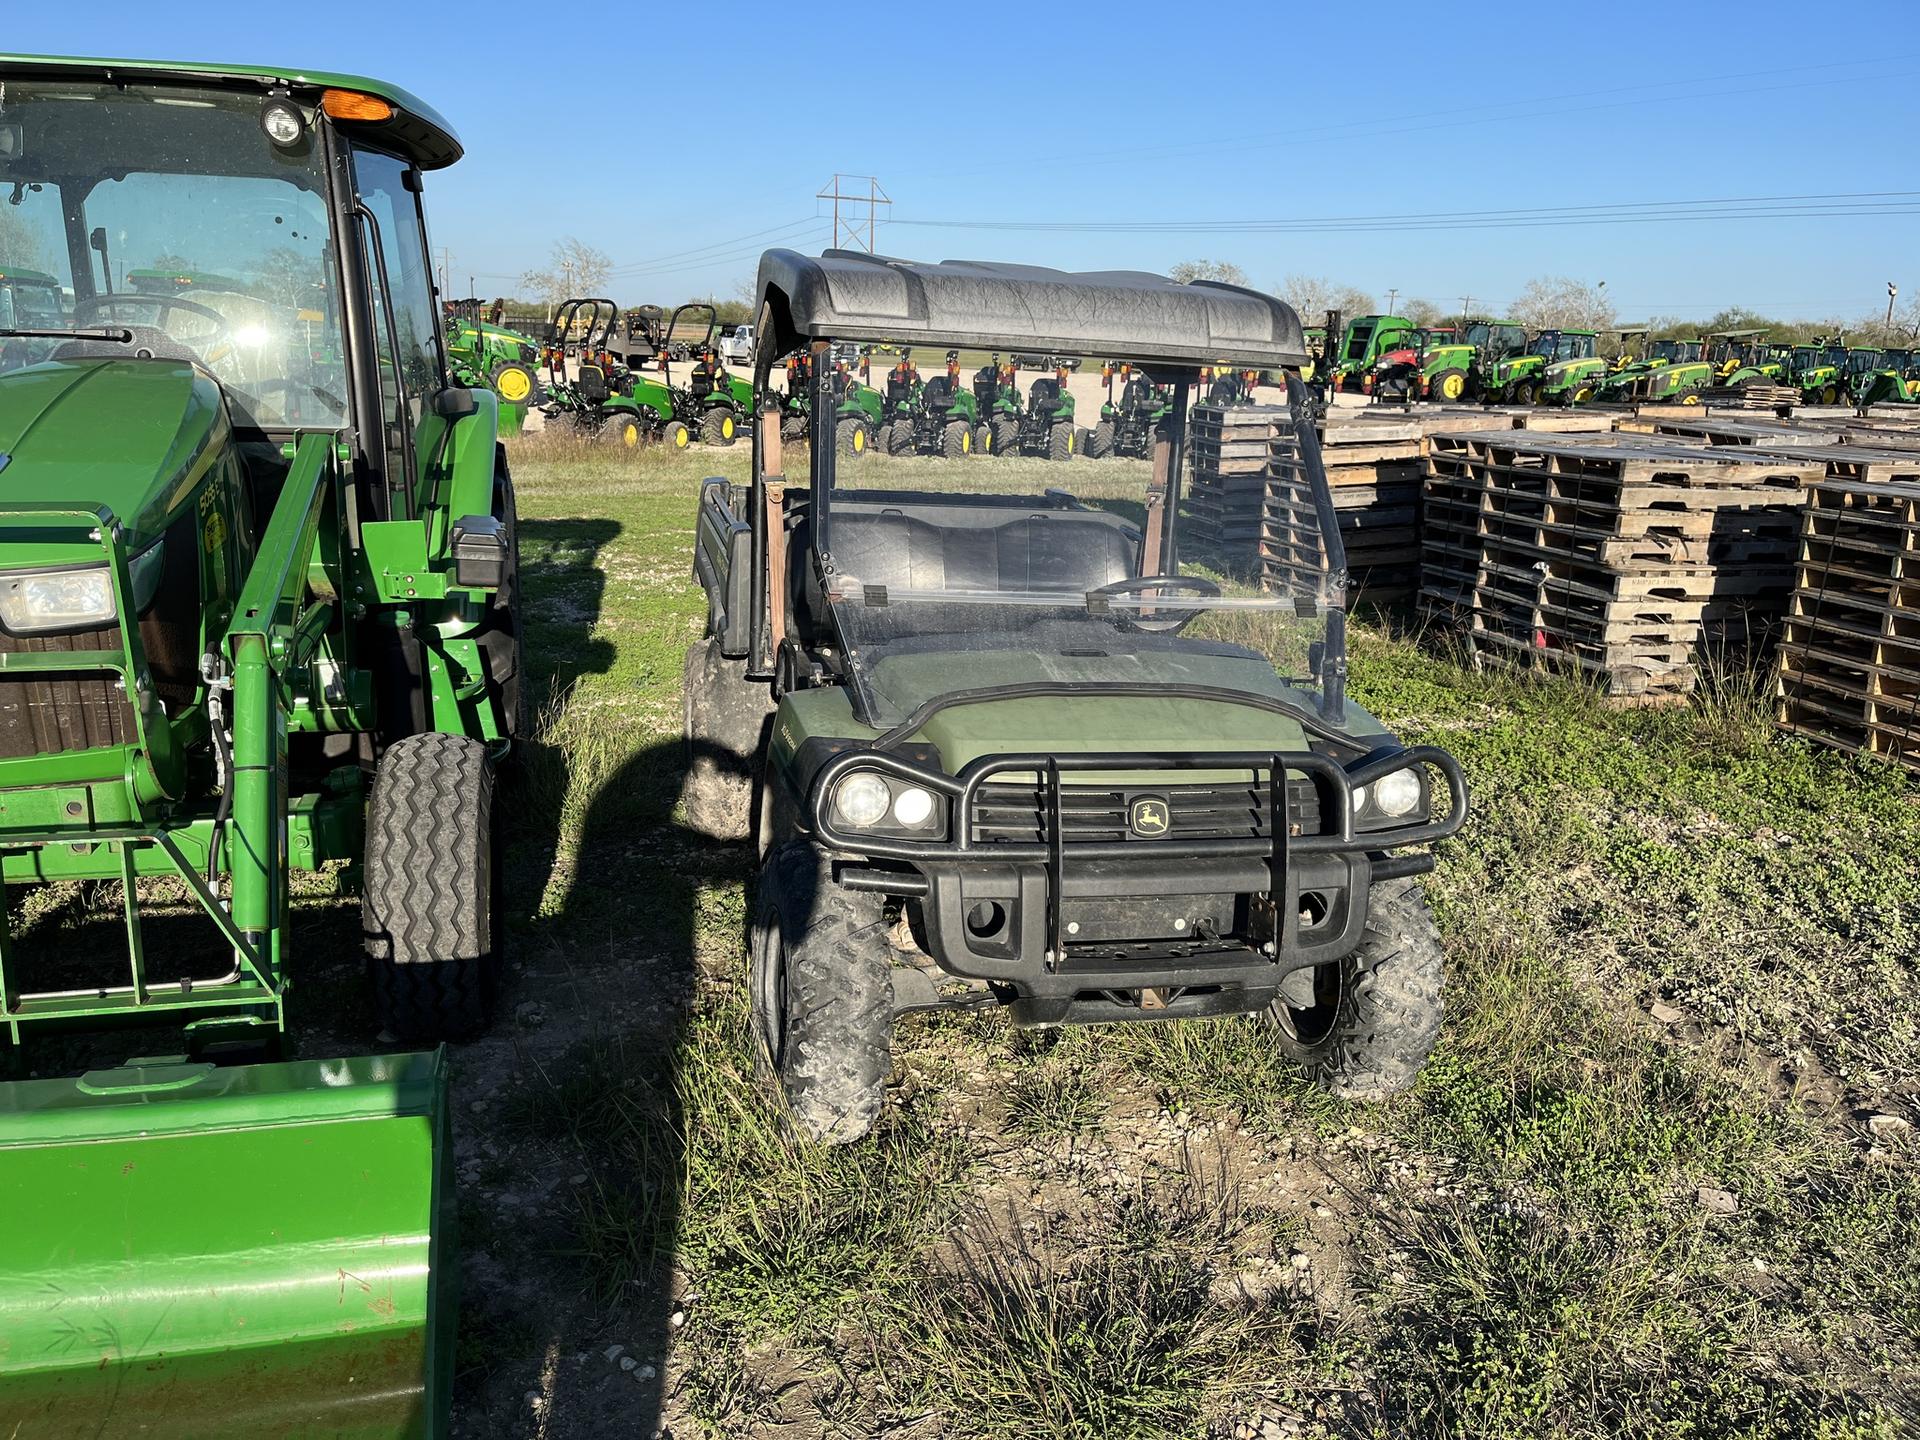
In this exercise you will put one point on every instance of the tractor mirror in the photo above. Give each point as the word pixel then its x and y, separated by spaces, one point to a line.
pixel 98 239
pixel 13 142
pixel 454 403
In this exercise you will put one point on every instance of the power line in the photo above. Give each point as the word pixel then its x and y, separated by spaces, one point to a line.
pixel 716 245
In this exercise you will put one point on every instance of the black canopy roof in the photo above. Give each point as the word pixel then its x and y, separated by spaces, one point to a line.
pixel 993 305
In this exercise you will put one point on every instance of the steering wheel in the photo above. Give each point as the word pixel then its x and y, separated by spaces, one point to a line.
pixel 93 304
pixel 1138 584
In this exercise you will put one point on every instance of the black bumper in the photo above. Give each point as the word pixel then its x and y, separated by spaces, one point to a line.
pixel 1071 930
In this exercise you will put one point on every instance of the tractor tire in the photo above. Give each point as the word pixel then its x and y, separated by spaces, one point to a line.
pixel 1060 441
pixel 983 439
pixel 1100 441
pixel 677 436
pixel 1524 393
pixel 820 995
pixel 622 430
pixel 514 383
pixel 900 439
pixel 1448 387
pixel 724 719
pixel 1080 434
pixel 883 440
pixel 429 908
pixel 1830 395
pixel 1376 1013
pixel 1006 437
pixel 850 436
pixel 956 441
pixel 793 427
pixel 719 426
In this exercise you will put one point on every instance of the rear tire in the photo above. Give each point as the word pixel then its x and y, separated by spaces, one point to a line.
pixel 1100 441
pixel 514 383
pixel 1376 1013
pixel 429 910
pixel 623 431
pixel 851 437
pixel 724 724
pixel 677 436
pixel 1523 393
pixel 1006 437
pixel 821 995
pixel 900 438
pixel 719 426
pixel 1060 441
pixel 956 441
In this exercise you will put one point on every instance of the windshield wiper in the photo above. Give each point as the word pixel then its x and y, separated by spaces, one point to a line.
pixel 120 337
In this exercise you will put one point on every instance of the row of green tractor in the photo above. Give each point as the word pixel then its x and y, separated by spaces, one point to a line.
pixel 1502 362
pixel 596 390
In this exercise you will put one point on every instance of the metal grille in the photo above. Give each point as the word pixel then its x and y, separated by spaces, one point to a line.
pixel 41 714
pixel 1010 814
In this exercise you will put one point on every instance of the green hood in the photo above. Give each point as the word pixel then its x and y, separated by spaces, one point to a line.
pixel 132 436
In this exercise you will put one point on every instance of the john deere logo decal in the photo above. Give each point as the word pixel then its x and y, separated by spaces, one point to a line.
pixel 1147 818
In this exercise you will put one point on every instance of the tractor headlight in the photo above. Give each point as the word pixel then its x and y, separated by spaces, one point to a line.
pixel 862 800
pixel 42 601
pixel 283 123
pixel 1397 794
pixel 913 806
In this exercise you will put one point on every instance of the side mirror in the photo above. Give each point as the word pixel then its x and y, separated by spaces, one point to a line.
pixel 454 403
pixel 98 239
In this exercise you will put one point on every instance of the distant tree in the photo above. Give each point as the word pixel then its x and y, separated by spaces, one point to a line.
pixel 1561 302
pixel 575 268
pixel 1225 271
pixel 1312 296
pixel 177 264
pixel 1422 312
pixel 18 244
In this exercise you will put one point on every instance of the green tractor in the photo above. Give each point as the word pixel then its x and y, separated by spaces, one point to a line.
pixel 1672 372
pixel 1129 424
pixel 858 408
pixel 713 405
pixel 990 754
pixel 996 398
pixel 1574 370
pixel 490 354
pixel 1366 339
pixel 1489 347
pixel 936 416
pixel 1519 376
pixel 1883 377
pixel 1815 370
pixel 29 299
pixel 258 615
pixel 1043 427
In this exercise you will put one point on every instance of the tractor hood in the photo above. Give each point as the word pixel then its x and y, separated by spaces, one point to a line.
pixel 130 436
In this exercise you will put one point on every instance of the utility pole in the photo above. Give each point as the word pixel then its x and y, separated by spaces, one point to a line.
pixel 1892 290
pixel 845 191
pixel 1466 308
pixel 1392 295
pixel 446 261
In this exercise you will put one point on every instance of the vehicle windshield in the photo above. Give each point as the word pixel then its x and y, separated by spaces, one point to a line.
pixel 1859 360
pixel 998 529
pixel 165 210
pixel 1493 341
pixel 30 301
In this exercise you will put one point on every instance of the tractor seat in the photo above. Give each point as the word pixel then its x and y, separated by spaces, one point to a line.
pixel 898 389
pixel 1070 554
pixel 1044 395
pixel 702 380
pixel 938 393
pixel 592 384
pixel 1139 395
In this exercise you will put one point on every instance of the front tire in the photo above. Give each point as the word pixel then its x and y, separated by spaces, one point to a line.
pixel 851 437
pixel 821 995
pixel 1523 393
pixel 719 427
pixel 1060 441
pixel 956 441
pixel 1006 437
pixel 1100 441
pixel 724 721
pixel 677 435
pixel 623 432
pixel 1376 1014
pixel 429 909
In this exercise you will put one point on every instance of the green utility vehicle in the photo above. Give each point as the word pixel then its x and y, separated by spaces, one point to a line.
pixel 257 615
pixel 935 416
pixel 488 353
pixel 1128 425
pixel 998 750
pixel 1367 338
pixel 1883 377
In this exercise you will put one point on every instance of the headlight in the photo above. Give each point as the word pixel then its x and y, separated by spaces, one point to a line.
pixel 913 806
pixel 76 599
pixel 862 800
pixel 1397 794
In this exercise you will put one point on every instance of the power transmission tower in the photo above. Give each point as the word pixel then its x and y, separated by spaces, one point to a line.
pixel 849 221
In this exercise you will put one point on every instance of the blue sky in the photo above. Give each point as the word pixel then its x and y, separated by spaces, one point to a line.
pixel 680 139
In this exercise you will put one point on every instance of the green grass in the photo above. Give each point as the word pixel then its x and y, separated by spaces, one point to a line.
pixel 1517 1248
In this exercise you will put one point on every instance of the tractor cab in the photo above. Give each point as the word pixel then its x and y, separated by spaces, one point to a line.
pixel 257 616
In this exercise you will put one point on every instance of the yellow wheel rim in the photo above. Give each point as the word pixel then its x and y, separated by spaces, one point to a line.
pixel 726 427
pixel 1690 400
pixel 1452 386
pixel 1583 394
pixel 629 434
pixel 1828 395
pixel 986 443
pixel 680 439
pixel 966 443
pixel 859 439
pixel 514 386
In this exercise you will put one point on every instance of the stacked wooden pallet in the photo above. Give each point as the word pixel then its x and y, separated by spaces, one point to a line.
pixel 1373 478
pixel 1752 396
pixel 1229 445
pixel 1723 430
pixel 1850 654
pixel 1624 559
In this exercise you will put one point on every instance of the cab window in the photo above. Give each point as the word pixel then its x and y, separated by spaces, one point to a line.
pixel 405 317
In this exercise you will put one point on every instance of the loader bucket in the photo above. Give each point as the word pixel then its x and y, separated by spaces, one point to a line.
pixel 249 1251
